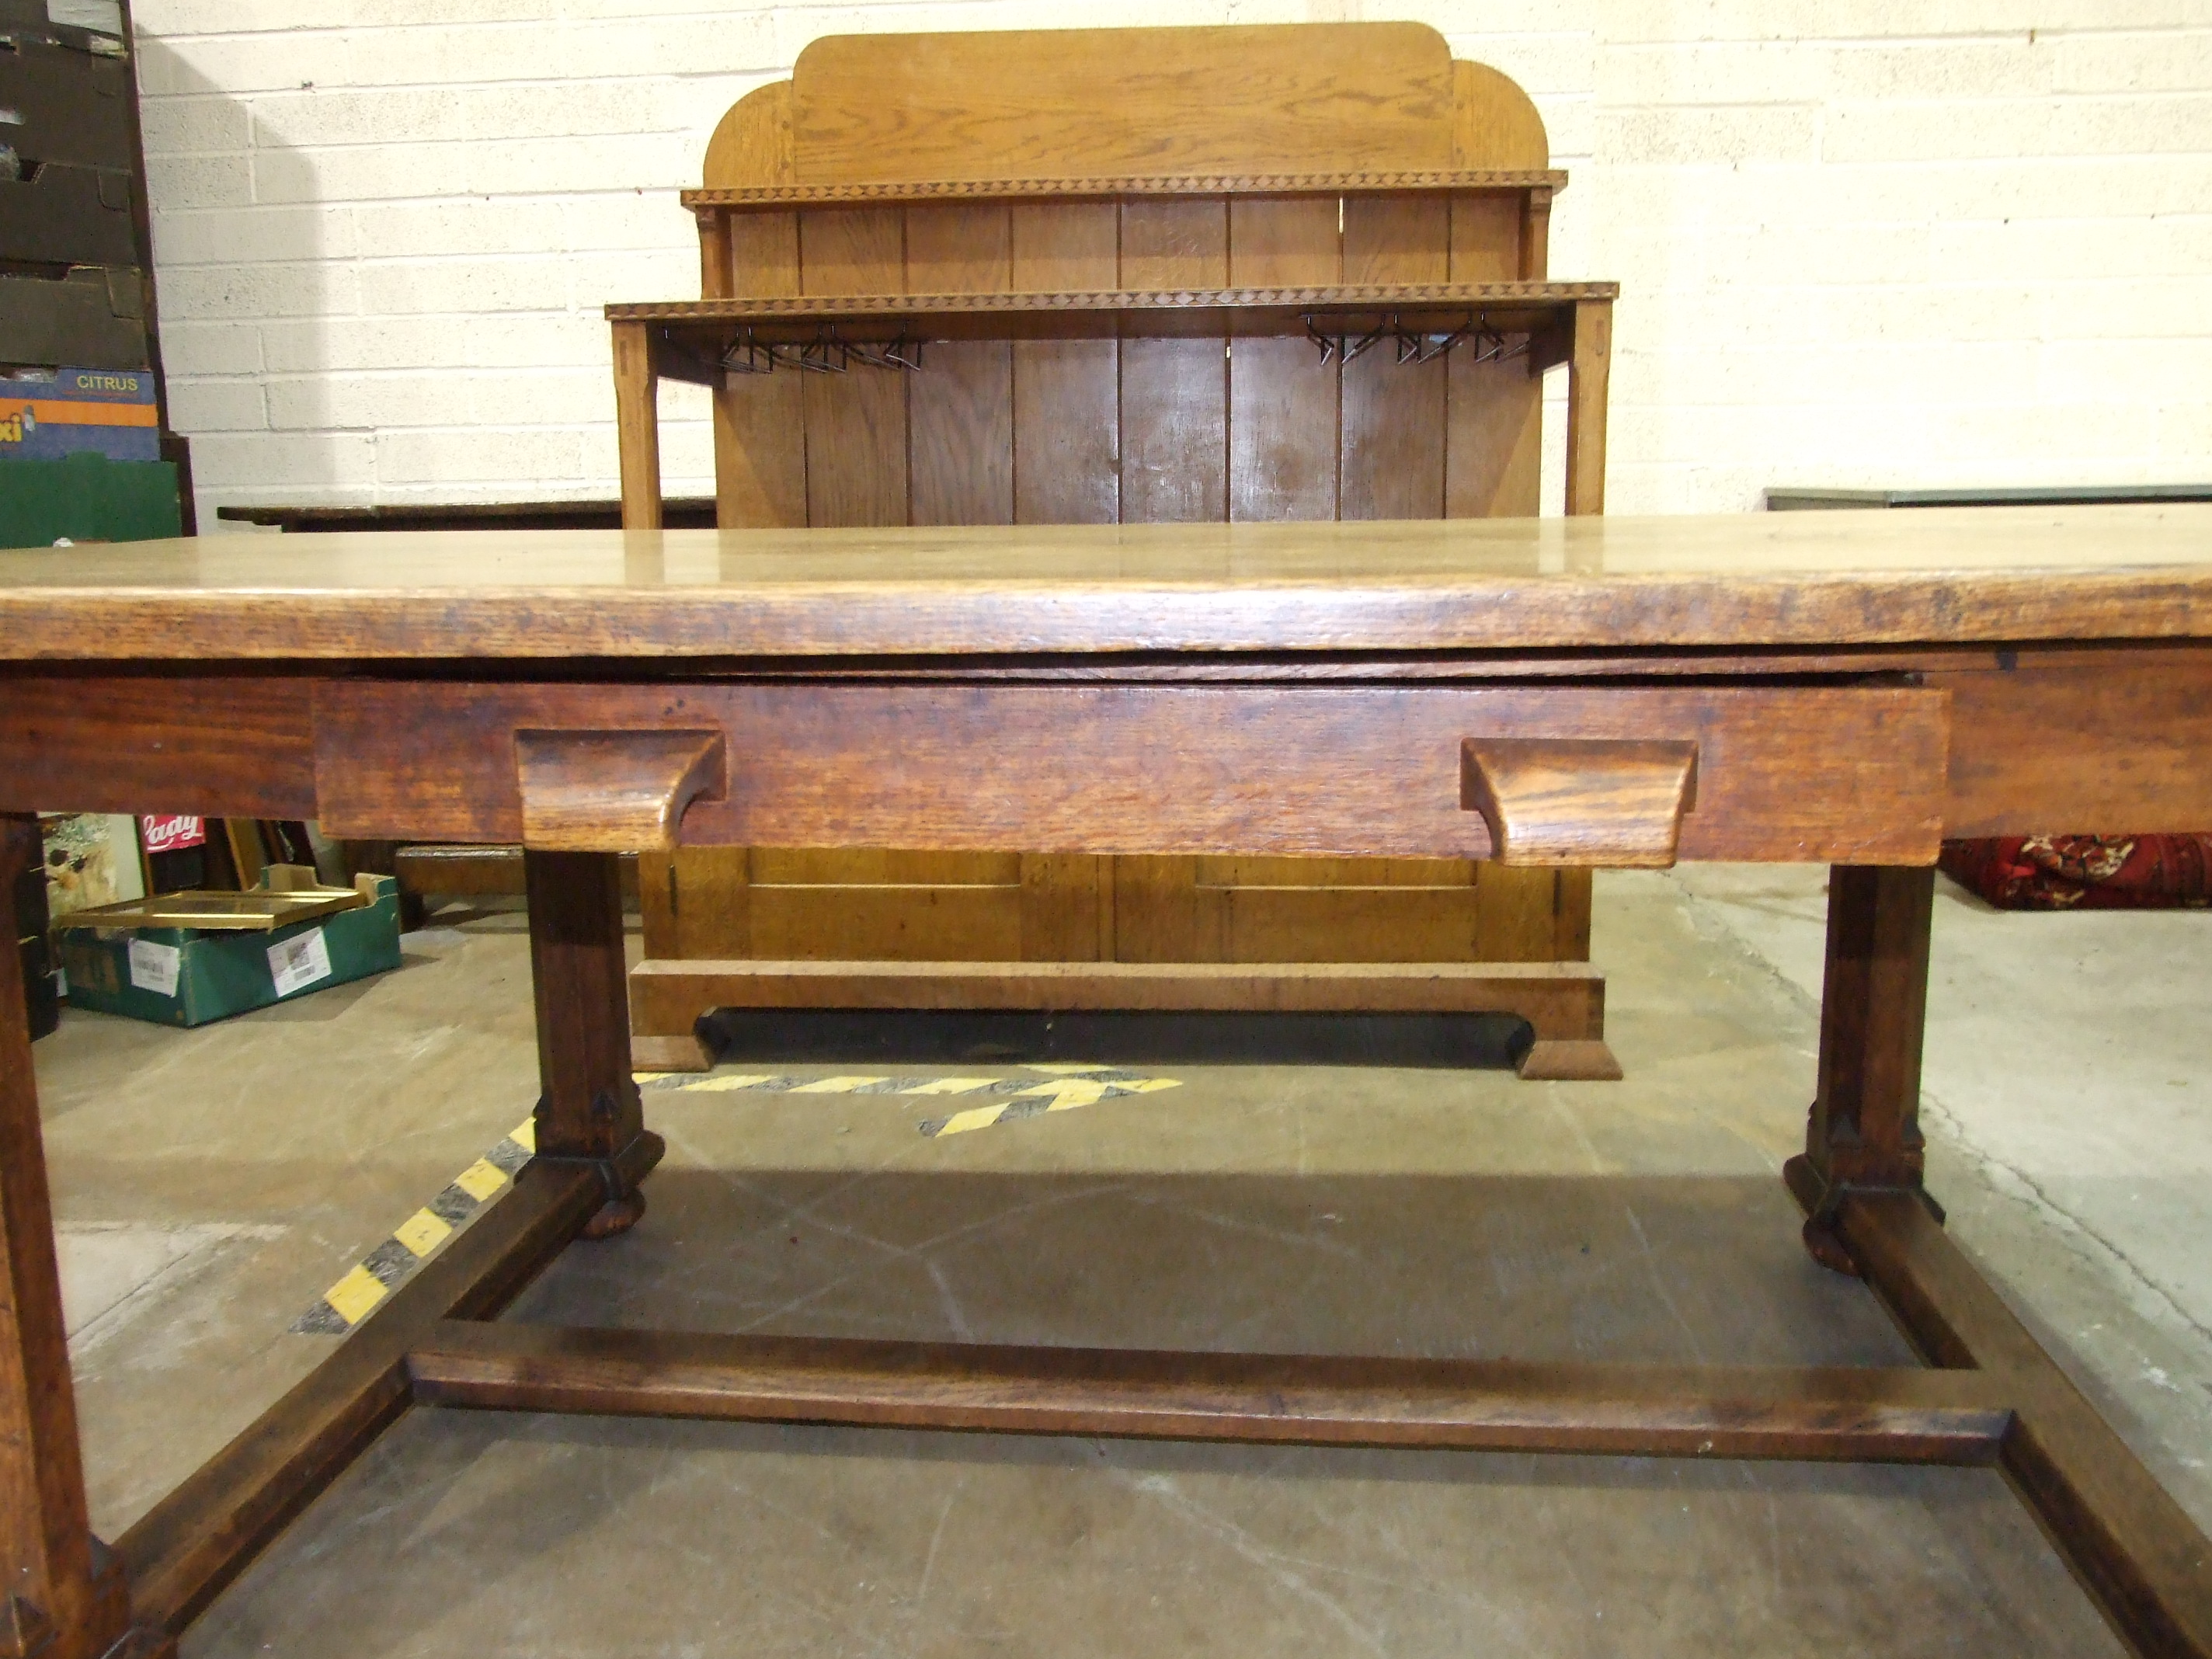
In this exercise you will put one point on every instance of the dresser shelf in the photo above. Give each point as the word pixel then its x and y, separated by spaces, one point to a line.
pixel 691 338
pixel 1450 181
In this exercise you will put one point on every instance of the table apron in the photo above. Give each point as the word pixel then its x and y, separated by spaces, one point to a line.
pixel 2116 746
pixel 1849 774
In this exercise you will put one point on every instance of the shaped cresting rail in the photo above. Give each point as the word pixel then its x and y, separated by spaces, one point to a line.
pixel 614 792
pixel 1566 801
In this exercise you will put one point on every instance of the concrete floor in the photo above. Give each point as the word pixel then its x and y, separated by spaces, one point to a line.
pixel 211 1185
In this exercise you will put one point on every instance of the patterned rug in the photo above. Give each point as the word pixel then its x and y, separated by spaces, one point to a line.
pixel 2084 872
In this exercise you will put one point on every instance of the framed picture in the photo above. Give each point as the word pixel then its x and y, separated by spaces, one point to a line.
pixel 91 858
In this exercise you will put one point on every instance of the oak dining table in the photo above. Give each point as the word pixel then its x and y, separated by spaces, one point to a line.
pixel 1845 689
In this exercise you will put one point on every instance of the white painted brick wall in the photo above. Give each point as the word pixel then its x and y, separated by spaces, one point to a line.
pixel 1862 242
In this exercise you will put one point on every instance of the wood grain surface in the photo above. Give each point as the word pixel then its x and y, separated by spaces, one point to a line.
pixel 752 142
pixel 222 746
pixel 1295 98
pixel 760 429
pixel 1810 580
pixel 1794 774
pixel 1494 123
pixel 612 792
pixel 2047 732
pixel 2124 729
pixel 1581 801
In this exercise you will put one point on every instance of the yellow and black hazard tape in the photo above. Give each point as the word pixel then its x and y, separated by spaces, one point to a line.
pixel 1002 1100
pixel 1006 1099
pixel 349 1301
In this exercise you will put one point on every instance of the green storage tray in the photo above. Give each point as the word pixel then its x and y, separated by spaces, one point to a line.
pixel 87 498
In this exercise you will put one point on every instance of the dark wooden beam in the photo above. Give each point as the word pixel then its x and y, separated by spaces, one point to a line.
pixel 1892 1416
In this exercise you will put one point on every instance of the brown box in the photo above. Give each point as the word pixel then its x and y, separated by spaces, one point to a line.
pixel 90 318
pixel 74 107
pixel 67 214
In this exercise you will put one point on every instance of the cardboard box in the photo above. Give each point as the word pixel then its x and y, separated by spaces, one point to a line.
pixel 92 26
pixel 70 105
pixel 64 213
pixel 91 314
pixel 189 976
pixel 48 413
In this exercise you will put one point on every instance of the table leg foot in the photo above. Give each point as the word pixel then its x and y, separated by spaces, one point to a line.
pixel 1822 1242
pixel 617 1215
pixel 1569 1060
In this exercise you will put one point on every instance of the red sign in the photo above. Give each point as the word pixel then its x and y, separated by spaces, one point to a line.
pixel 172 834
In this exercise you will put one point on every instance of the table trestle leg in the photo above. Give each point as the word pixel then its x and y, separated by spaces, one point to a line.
pixel 61 1593
pixel 588 1108
pixel 1864 1128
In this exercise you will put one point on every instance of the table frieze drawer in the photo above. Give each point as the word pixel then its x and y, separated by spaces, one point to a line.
pixel 1573 773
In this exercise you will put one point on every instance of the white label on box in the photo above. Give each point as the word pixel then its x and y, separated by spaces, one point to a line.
pixel 154 967
pixel 297 963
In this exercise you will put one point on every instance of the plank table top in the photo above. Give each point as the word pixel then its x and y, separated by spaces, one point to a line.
pixel 1786 582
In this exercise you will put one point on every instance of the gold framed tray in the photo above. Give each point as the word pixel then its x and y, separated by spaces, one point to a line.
pixel 289 893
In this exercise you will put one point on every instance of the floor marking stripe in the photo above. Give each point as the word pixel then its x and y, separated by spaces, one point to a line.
pixel 351 1300
pixel 975 1117
pixel 1067 1085
pixel 481 1179
pixel 1071 1091
pixel 1033 1100
pixel 422 1232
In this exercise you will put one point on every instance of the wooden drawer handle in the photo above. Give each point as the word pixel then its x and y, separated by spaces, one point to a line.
pixel 614 792
pixel 1580 800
